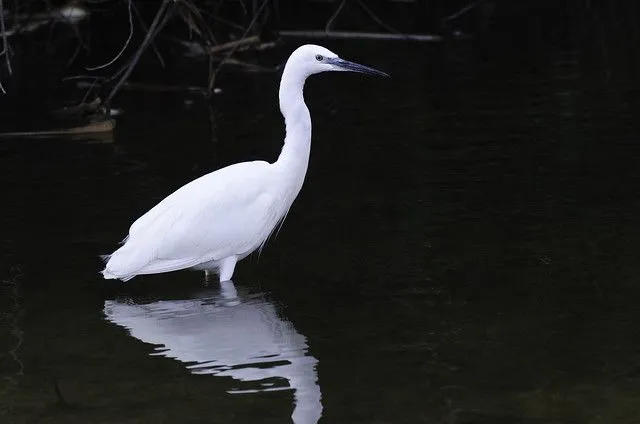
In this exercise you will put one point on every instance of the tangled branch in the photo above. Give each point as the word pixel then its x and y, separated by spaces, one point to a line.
pixel 158 22
pixel 212 75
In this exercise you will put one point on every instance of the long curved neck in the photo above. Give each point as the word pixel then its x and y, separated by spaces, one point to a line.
pixel 297 142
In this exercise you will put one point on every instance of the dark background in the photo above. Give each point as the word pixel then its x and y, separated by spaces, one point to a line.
pixel 464 249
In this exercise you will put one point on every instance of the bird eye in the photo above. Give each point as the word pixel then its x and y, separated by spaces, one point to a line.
pixel 319 57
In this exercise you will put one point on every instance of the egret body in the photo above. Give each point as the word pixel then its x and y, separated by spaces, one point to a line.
pixel 220 218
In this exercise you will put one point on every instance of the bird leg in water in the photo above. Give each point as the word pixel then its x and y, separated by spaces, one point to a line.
pixel 227 266
pixel 208 277
pixel 228 293
pixel 225 270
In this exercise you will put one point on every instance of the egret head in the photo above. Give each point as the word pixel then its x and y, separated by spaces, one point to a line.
pixel 312 59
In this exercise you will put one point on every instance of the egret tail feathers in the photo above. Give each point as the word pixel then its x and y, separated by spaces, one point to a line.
pixel 127 262
pixel 124 263
pixel 168 265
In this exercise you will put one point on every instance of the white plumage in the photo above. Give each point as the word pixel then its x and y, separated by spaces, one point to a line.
pixel 220 218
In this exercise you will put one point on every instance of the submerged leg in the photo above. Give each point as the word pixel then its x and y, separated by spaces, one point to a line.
pixel 209 275
pixel 226 268
pixel 228 293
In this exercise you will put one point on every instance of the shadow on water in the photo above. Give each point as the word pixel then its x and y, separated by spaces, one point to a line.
pixel 228 334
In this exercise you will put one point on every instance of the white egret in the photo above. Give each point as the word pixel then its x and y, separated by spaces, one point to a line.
pixel 220 218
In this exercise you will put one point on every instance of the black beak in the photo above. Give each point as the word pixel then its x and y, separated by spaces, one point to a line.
pixel 354 67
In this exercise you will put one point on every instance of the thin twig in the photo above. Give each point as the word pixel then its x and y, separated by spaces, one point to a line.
pixel 333 17
pixel 61 400
pixel 159 21
pixel 244 8
pixel 86 95
pixel 200 27
pixel 226 22
pixel 342 34
pixel 158 88
pixel 235 44
pixel 123 47
pixel 74 55
pixel 251 66
pixel 145 29
pixel 463 10
pixel 212 77
pixel 361 35
pixel 81 77
pixel 5 46
pixel 92 128
pixel 375 18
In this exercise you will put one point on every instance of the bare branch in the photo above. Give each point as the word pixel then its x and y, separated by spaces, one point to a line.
pixel 235 44
pixel 361 35
pixel 212 77
pixel 244 8
pixel 250 66
pixel 123 47
pixel 194 20
pixel 463 10
pixel 5 45
pixel 144 28
pixel 333 17
pixel 226 22
pixel 375 18
pixel 158 22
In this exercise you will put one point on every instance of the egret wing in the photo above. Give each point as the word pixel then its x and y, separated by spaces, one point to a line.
pixel 219 214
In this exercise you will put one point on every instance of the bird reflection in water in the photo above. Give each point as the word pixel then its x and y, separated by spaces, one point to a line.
pixel 223 333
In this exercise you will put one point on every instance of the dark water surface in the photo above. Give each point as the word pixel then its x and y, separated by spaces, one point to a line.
pixel 464 250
